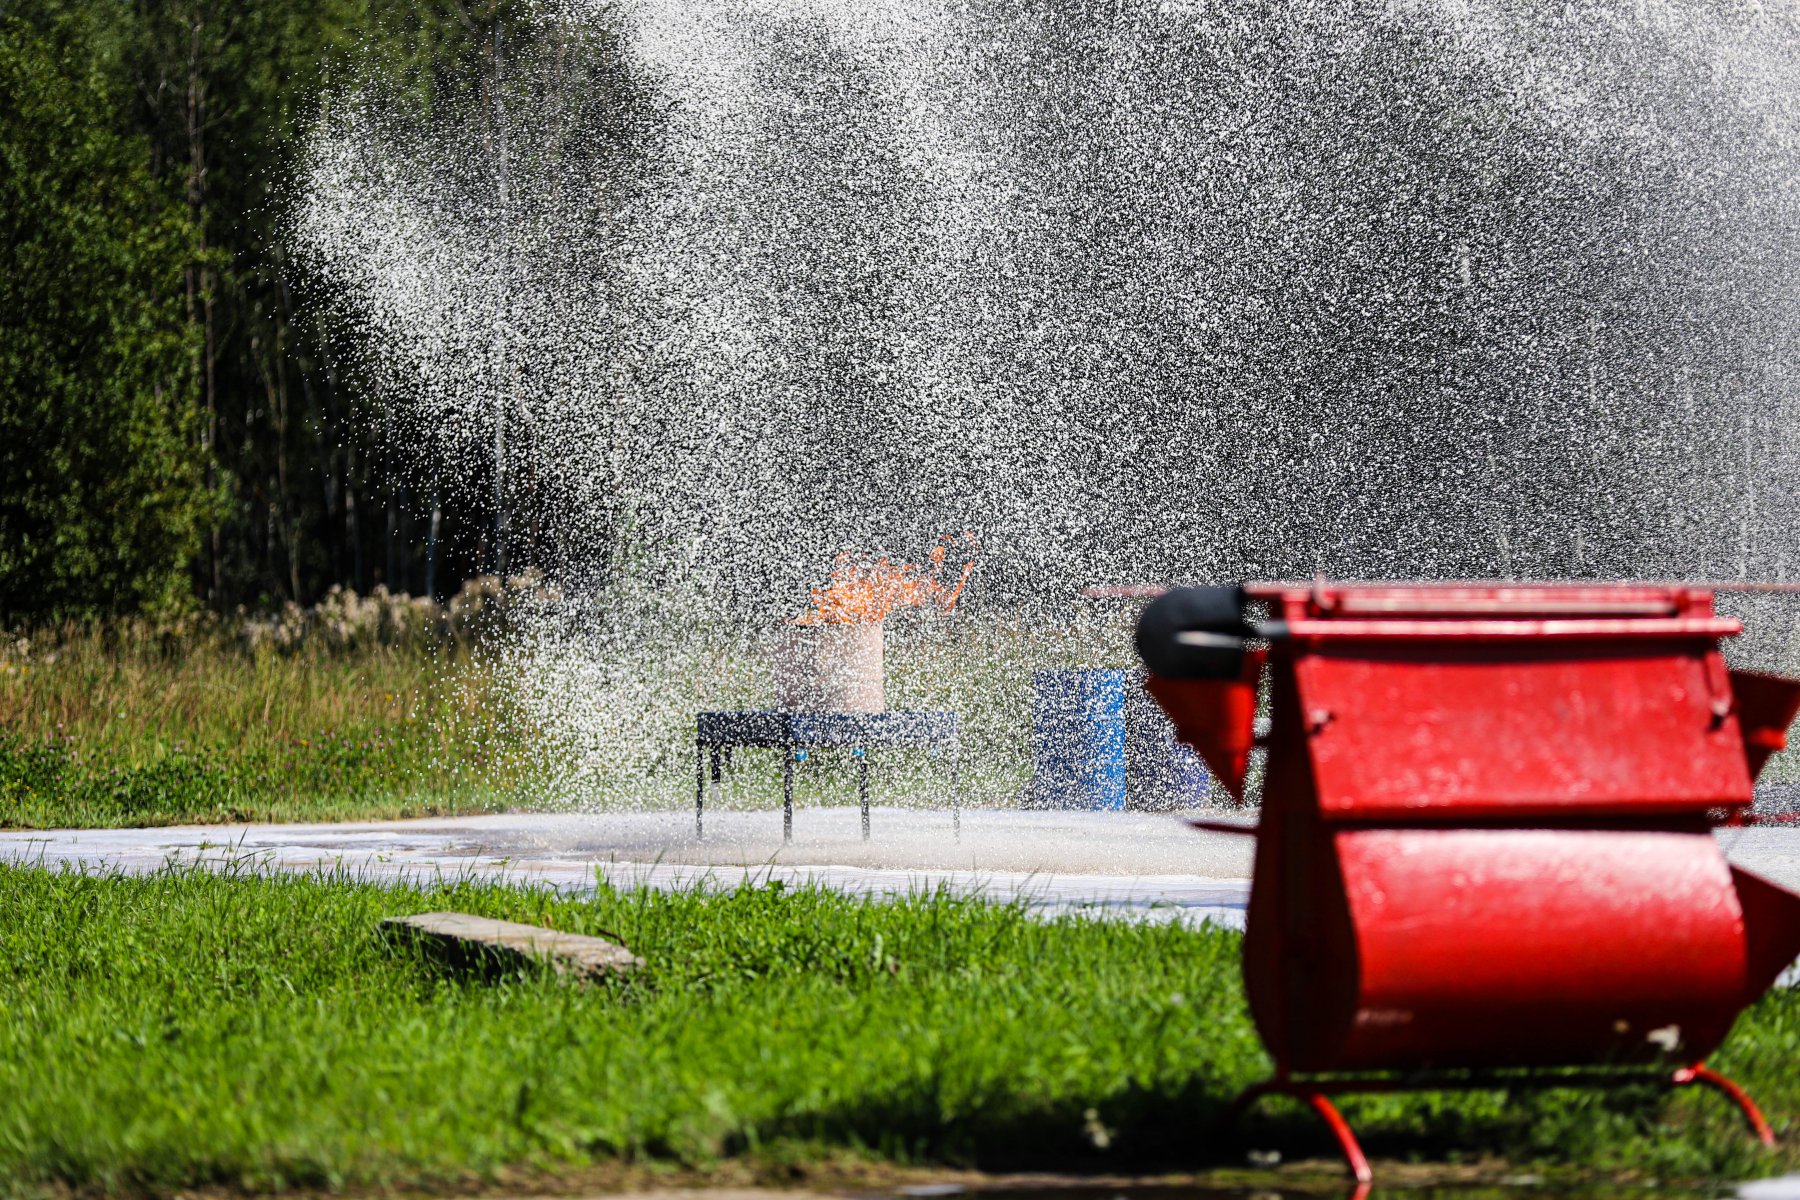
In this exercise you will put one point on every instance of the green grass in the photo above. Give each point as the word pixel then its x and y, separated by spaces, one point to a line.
pixel 191 1030
pixel 114 727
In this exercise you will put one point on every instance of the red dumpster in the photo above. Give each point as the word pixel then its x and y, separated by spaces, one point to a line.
pixel 1485 843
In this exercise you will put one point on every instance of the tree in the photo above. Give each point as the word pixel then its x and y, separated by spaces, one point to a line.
pixel 104 495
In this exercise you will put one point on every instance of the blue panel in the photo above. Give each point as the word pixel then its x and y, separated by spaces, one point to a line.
pixel 1078 739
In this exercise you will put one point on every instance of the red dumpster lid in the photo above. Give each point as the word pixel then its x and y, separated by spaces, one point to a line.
pixel 1506 600
pixel 1482 611
pixel 1495 700
pixel 1508 701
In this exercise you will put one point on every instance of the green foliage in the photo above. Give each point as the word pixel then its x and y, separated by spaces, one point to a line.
pixel 169 395
pixel 191 1029
pixel 105 495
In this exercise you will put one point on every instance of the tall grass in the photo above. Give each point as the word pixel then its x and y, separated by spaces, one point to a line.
pixel 190 1030
pixel 126 725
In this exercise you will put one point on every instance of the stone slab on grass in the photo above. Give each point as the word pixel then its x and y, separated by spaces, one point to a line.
pixel 485 942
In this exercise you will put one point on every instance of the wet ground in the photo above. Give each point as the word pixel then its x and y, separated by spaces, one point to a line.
pixel 1523 1187
pixel 1142 866
pixel 1518 1187
pixel 1148 866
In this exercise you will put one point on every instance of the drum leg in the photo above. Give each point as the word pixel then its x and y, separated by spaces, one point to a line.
pixel 1704 1075
pixel 787 796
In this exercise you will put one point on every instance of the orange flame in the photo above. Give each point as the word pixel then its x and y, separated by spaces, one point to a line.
pixel 867 592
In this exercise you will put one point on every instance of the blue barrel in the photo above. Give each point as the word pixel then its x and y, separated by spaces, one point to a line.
pixel 1077 739
pixel 1161 773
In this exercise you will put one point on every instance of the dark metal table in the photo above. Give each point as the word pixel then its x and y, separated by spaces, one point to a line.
pixel 763 729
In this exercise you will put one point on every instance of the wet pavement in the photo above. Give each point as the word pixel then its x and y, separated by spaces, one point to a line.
pixel 1133 865
pixel 1148 867
pixel 1037 1187
pixel 1522 1187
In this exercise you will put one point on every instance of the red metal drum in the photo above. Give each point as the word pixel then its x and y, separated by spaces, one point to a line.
pixel 1498 948
pixel 1485 835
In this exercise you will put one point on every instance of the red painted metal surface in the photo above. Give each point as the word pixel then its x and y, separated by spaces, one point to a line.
pixel 1485 835
pixel 1502 947
pixel 1220 716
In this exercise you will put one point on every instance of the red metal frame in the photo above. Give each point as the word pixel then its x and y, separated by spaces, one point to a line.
pixel 1484 856
pixel 1316 1092
pixel 1707 1077
pixel 1314 1095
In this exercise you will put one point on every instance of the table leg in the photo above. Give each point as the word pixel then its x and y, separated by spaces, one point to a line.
pixel 956 792
pixel 787 795
pixel 699 790
pixel 862 788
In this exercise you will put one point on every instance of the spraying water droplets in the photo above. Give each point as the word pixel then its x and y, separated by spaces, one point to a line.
pixel 1136 291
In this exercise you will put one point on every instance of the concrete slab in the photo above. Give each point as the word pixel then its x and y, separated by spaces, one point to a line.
pixel 1772 851
pixel 1138 866
pixel 464 939
pixel 1147 867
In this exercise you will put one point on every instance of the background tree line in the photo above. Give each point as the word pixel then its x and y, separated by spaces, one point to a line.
pixel 177 424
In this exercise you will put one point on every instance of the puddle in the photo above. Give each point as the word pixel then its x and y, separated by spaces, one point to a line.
pixel 1522 1187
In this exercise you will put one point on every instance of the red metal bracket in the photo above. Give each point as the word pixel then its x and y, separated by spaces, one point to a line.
pixel 1315 1093
pixel 1321 1104
pixel 1704 1075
